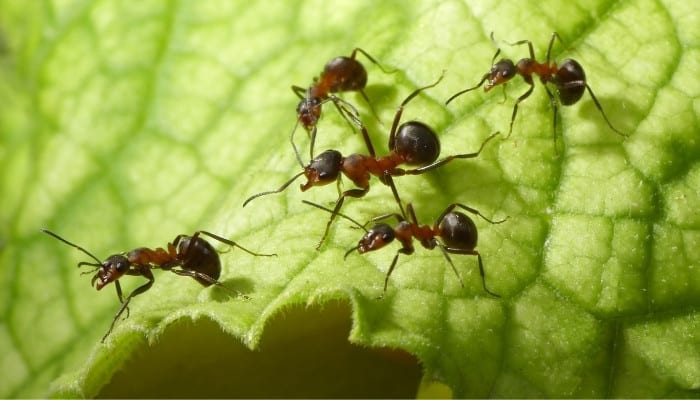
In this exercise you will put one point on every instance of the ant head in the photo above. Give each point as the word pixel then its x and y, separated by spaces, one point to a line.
pixel 458 231
pixel 416 143
pixel 309 111
pixel 379 236
pixel 501 72
pixel 111 269
pixel 570 81
pixel 343 74
pixel 323 169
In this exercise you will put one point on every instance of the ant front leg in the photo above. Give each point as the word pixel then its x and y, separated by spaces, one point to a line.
pixel 391 269
pixel 146 273
pixel 529 45
pixel 357 193
pixel 515 107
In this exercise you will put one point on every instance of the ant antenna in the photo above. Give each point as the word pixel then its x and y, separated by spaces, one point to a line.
pixel 280 189
pixel 335 213
pixel 48 232
pixel 347 253
pixel 294 146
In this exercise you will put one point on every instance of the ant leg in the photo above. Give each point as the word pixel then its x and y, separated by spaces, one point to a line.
pixel 209 280
pixel 371 108
pixel 555 108
pixel 352 56
pixel 280 189
pixel 336 210
pixel 596 102
pixel 515 107
pixel 505 97
pixel 529 45
pixel 354 115
pixel 449 260
pixel 412 214
pixel 445 160
pixel 481 266
pixel 605 117
pixel 388 274
pixel 397 116
pixel 118 288
pixel 551 42
pixel 231 243
pixel 125 305
pixel 469 209
pixel 388 180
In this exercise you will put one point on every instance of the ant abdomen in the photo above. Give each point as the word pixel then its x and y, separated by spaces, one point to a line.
pixel 345 74
pixel 416 143
pixel 458 231
pixel 570 81
pixel 200 256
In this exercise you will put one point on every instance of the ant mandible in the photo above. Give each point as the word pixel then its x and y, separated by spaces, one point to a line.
pixel 569 80
pixel 457 231
pixel 412 143
pixel 186 256
pixel 341 74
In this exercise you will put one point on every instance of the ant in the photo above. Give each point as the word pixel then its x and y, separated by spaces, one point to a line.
pixel 186 256
pixel 569 80
pixel 457 231
pixel 412 143
pixel 341 74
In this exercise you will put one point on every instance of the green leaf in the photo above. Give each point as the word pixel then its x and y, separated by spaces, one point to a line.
pixel 124 124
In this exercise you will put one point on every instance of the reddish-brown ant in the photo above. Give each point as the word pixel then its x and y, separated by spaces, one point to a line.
pixel 341 74
pixel 569 80
pixel 456 230
pixel 413 143
pixel 187 256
